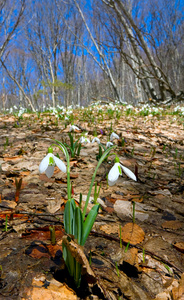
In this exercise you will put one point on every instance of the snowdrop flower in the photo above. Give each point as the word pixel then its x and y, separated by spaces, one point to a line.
pixel 114 136
pixel 73 128
pixel 116 170
pixel 109 144
pixel 84 140
pixel 96 140
pixel 48 163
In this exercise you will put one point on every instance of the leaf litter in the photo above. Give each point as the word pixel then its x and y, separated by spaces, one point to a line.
pixel 148 261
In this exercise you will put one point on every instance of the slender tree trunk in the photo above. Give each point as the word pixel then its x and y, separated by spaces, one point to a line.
pixel 19 86
pixel 104 65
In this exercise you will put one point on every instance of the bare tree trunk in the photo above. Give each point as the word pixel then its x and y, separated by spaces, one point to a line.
pixel 52 85
pixel 145 71
pixel 12 31
pixel 104 65
pixel 19 86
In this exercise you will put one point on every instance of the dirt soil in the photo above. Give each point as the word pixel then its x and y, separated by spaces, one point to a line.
pixel 131 257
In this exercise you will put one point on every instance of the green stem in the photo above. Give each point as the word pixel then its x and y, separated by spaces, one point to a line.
pixel 93 178
pixel 65 151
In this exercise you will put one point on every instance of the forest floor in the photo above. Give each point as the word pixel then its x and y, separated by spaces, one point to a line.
pixel 148 261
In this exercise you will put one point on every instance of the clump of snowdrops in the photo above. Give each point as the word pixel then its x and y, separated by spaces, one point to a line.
pixel 76 223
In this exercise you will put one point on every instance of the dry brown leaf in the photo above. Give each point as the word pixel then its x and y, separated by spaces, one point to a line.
pixel 178 292
pixel 43 233
pixel 9 119
pixel 54 291
pixel 110 228
pixel 132 233
pixel 78 253
pixel 74 175
pixel 172 224
pixel 45 178
pixel 136 198
pixel 53 249
pixel 39 251
pixel 12 158
pixel 131 256
pixel 179 246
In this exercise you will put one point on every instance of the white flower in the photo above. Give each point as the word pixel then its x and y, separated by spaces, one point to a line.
pixel 109 144
pixel 114 136
pixel 48 163
pixel 84 140
pixel 115 171
pixel 73 128
pixel 96 140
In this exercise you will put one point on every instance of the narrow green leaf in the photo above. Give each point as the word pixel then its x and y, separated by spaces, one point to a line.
pixel 73 203
pixel 102 147
pixel 79 149
pixel 69 260
pixel 77 274
pixel 68 217
pixel 88 223
pixel 78 225
pixel 80 200
pixel 94 175
pixel 71 139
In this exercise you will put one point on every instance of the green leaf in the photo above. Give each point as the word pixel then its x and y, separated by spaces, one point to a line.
pixel 88 223
pixel 78 225
pixel 73 203
pixel 69 260
pixel 79 149
pixel 68 217
pixel 107 151
pixel 71 139
pixel 77 274
pixel 102 147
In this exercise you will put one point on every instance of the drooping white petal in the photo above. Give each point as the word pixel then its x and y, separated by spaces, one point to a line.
pixel 49 171
pixel 60 164
pixel 73 128
pixel 109 144
pixel 113 174
pixel 82 139
pixel 44 163
pixel 96 140
pixel 114 136
pixel 86 141
pixel 128 172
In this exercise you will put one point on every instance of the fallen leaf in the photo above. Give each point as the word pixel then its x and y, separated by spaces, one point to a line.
pixel 131 256
pixel 54 250
pixel 12 158
pixel 132 233
pixel 125 208
pixel 45 178
pixel 55 291
pixel 78 253
pixel 179 246
pixel 37 251
pixel 172 224
pixel 43 233
pixel 110 228
pixel 178 292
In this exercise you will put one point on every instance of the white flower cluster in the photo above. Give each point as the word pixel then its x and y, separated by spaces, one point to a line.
pixel 179 109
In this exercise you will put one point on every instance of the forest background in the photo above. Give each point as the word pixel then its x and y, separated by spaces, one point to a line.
pixel 73 52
